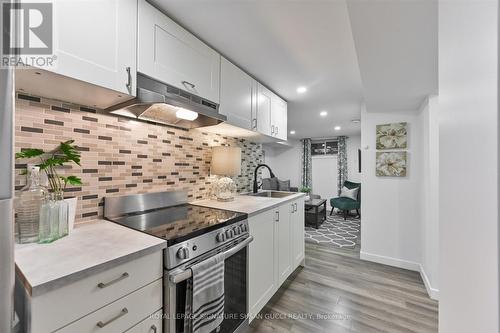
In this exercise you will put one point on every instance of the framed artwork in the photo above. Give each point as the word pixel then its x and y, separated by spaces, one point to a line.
pixel 392 136
pixel 391 164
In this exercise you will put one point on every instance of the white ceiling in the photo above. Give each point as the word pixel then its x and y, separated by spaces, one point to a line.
pixel 397 47
pixel 290 43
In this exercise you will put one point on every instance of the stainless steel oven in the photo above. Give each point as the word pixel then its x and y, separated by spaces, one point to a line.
pixel 193 234
pixel 235 289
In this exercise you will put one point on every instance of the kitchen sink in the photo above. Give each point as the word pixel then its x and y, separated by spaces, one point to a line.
pixel 272 194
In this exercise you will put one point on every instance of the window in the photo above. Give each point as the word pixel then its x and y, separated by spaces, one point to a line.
pixel 324 147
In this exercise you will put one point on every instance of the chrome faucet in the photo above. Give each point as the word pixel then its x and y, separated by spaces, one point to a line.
pixel 255 186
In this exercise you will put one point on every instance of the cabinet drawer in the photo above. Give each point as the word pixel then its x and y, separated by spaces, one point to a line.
pixel 151 324
pixel 121 315
pixel 64 305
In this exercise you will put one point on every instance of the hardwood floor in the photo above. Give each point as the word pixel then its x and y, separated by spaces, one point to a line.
pixel 338 292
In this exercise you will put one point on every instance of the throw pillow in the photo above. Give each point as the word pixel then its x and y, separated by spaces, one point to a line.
pixel 351 194
pixel 283 185
pixel 270 184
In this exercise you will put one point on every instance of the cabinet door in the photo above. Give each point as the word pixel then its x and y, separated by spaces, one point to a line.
pixel 263 110
pixel 237 91
pixel 282 251
pixel 261 261
pixel 297 233
pixel 279 118
pixel 95 42
pixel 169 53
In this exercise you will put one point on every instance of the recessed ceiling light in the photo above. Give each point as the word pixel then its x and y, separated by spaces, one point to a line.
pixel 337 128
pixel 355 121
pixel 323 113
pixel 301 90
pixel 292 132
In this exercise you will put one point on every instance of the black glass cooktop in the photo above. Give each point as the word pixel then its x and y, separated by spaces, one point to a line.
pixel 179 223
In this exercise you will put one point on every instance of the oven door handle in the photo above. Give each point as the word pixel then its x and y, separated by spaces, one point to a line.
pixel 186 274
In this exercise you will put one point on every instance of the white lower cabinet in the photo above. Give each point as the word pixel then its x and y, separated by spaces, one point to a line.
pixel 282 243
pixel 261 261
pixel 276 251
pixel 297 233
pixel 122 314
pixel 152 324
pixel 113 300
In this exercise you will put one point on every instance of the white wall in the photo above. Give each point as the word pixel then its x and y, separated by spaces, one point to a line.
pixel 430 195
pixel 353 144
pixel 390 207
pixel 468 165
pixel 285 161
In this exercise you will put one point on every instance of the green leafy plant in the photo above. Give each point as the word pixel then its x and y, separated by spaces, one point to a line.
pixel 63 154
pixel 305 189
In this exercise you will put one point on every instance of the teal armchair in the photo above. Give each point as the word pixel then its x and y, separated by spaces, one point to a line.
pixel 347 204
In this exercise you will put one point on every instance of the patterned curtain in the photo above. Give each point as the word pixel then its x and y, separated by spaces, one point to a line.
pixel 341 163
pixel 306 173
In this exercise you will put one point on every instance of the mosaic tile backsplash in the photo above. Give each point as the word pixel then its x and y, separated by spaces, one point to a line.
pixel 123 156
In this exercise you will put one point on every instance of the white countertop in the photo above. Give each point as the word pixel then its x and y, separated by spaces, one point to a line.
pixel 251 205
pixel 90 248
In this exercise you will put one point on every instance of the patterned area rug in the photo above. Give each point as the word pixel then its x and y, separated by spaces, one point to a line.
pixel 335 231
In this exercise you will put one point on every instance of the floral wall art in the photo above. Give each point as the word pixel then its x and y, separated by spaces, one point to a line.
pixel 391 164
pixel 391 137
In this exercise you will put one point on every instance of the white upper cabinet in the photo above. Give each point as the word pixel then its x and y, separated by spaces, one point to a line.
pixel 237 95
pixel 169 53
pixel 270 114
pixel 279 118
pixel 262 114
pixel 95 42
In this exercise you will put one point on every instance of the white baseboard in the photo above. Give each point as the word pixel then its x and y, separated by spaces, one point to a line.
pixel 405 264
pixel 433 292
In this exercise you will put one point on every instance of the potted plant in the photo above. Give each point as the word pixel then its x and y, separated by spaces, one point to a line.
pixel 307 191
pixel 49 162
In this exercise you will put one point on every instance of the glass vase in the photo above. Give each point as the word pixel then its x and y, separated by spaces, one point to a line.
pixel 28 203
pixel 53 218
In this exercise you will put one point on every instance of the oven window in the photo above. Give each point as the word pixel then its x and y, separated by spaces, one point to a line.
pixel 235 290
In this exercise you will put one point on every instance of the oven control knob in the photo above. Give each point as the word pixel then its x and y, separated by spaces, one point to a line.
pixel 221 236
pixel 229 233
pixel 236 230
pixel 243 228
pixel 183 253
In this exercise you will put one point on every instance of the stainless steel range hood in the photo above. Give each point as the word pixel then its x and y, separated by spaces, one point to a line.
pixel 161 103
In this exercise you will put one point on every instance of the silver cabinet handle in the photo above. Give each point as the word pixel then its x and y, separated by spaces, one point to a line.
pixel 129 79
pixel 122 313
pixel 107 284
pixel 254 125
pixel 277 216
pixel 154 329
pixel 295 206
pixel 187 273
pixel 188 83
pixel 276 130
pixel 272 129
